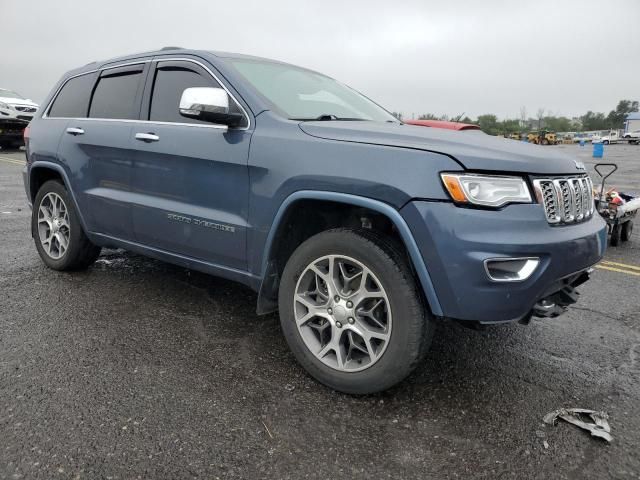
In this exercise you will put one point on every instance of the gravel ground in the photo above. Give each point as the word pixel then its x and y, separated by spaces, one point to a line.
pixel 139 369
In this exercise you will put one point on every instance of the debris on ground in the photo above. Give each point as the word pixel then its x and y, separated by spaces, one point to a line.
pixel 598 428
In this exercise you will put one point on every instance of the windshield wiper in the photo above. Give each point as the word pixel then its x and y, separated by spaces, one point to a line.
pixel 327 117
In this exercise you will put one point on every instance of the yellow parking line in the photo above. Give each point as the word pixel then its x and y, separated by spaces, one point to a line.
pixel 11 160
pixel 624 265
pixel 618 270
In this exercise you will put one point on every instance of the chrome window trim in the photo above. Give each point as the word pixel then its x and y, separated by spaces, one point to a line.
pixel 154 61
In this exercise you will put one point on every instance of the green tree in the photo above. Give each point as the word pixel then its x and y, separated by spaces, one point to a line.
pixel 616 117
pixel 489 124
pixel 557 124
pixel 510 126
pixel 428 116
pixel 594 121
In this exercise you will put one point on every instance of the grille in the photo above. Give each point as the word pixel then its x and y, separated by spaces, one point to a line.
pixel 565 200
pixel 25 109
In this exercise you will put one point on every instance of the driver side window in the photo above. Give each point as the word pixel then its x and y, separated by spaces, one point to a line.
pixel 168 84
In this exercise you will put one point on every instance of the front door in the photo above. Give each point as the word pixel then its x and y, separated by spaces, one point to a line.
pixel 190 177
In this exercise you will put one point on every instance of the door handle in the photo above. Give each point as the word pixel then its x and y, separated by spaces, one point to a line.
pixel 147 137
pixel 75 131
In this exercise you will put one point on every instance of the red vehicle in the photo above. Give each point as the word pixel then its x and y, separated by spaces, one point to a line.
pixel 443 124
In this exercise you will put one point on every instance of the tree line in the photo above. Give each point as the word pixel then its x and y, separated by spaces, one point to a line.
pixel 543 120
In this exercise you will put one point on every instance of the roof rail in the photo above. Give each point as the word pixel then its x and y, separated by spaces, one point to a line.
pixel 171 48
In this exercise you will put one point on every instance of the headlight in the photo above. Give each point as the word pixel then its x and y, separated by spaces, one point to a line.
pixel 5 106
pixel 486 190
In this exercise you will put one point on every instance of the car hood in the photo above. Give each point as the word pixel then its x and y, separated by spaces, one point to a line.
pixel 17 101
pixel 474 150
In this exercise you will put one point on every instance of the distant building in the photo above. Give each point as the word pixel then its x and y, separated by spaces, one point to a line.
pixel 632 123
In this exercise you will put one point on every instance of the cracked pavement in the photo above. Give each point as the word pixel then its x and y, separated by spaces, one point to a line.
pixel 140 369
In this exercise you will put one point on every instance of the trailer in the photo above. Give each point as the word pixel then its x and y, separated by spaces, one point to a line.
pixel 618 215
pixel 613 136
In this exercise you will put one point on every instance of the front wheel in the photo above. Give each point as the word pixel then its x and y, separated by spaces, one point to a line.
pixel 57 232
pixel 351 311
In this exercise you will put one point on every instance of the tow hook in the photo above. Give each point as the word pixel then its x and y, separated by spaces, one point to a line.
pixel 557 303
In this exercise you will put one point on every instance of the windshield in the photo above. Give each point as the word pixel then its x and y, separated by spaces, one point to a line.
pixel 301 94
pixel 9 94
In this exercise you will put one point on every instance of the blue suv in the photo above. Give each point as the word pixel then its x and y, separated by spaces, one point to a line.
pixel 361 230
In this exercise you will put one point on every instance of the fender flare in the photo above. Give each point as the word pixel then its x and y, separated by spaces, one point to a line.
pixel 65 179
pixel 385 209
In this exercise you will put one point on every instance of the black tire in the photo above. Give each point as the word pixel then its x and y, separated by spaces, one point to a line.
pixel 615 235
pixel 413 325
pixel 606 142
pixel 627 229
pixel 80 252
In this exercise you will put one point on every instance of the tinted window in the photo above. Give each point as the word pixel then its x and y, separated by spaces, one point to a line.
pixel 73 99
pixel 115 96
pixel 168 86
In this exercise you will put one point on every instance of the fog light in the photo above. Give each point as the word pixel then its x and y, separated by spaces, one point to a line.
pixel 510 269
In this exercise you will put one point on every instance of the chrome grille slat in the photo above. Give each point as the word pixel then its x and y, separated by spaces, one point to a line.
pixel 565 200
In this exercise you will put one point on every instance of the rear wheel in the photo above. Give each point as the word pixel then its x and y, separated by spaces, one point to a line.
pixel 627 229
pixel 57 232
pixel 351 311
pixel 615 235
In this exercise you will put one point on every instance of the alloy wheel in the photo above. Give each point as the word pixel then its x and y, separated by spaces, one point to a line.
pixel 53 225
pixel 342 312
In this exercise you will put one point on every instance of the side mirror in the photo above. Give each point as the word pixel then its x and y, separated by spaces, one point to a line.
pixel 208 104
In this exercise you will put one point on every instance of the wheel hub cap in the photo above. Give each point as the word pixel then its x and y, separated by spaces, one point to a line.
pixel 342 312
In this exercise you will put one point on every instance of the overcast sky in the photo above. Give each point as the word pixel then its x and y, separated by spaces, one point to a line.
pixel 442 57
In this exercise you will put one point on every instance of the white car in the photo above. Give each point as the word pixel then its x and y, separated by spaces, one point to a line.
pixel 634 134
pixel 13 105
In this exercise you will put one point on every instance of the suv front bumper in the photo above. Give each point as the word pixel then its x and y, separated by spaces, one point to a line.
pixel 455 242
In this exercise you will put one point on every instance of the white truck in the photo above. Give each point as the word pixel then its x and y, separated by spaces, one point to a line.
pixel 613 136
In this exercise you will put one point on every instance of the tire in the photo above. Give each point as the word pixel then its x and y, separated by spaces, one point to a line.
pixel 79 252
pixel 409 325
pixel 615 235
pixel 545 142
pixel 627 229
pixel 606 142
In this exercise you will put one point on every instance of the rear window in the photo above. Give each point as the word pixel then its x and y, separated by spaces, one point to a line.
pixel 73 99
pixel 115 96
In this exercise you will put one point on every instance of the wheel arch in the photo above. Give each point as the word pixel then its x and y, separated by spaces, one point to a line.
pixel 43 171
pixel 269 272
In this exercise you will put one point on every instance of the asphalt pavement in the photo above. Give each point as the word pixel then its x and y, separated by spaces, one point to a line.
pixel 140 369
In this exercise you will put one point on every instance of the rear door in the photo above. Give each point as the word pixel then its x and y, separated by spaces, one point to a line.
pixel 97 148
pixel 190 178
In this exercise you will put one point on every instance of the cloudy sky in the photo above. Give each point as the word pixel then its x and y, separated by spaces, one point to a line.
pixel 475 57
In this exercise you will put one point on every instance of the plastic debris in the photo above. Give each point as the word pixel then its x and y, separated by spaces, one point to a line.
pixel 576 416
